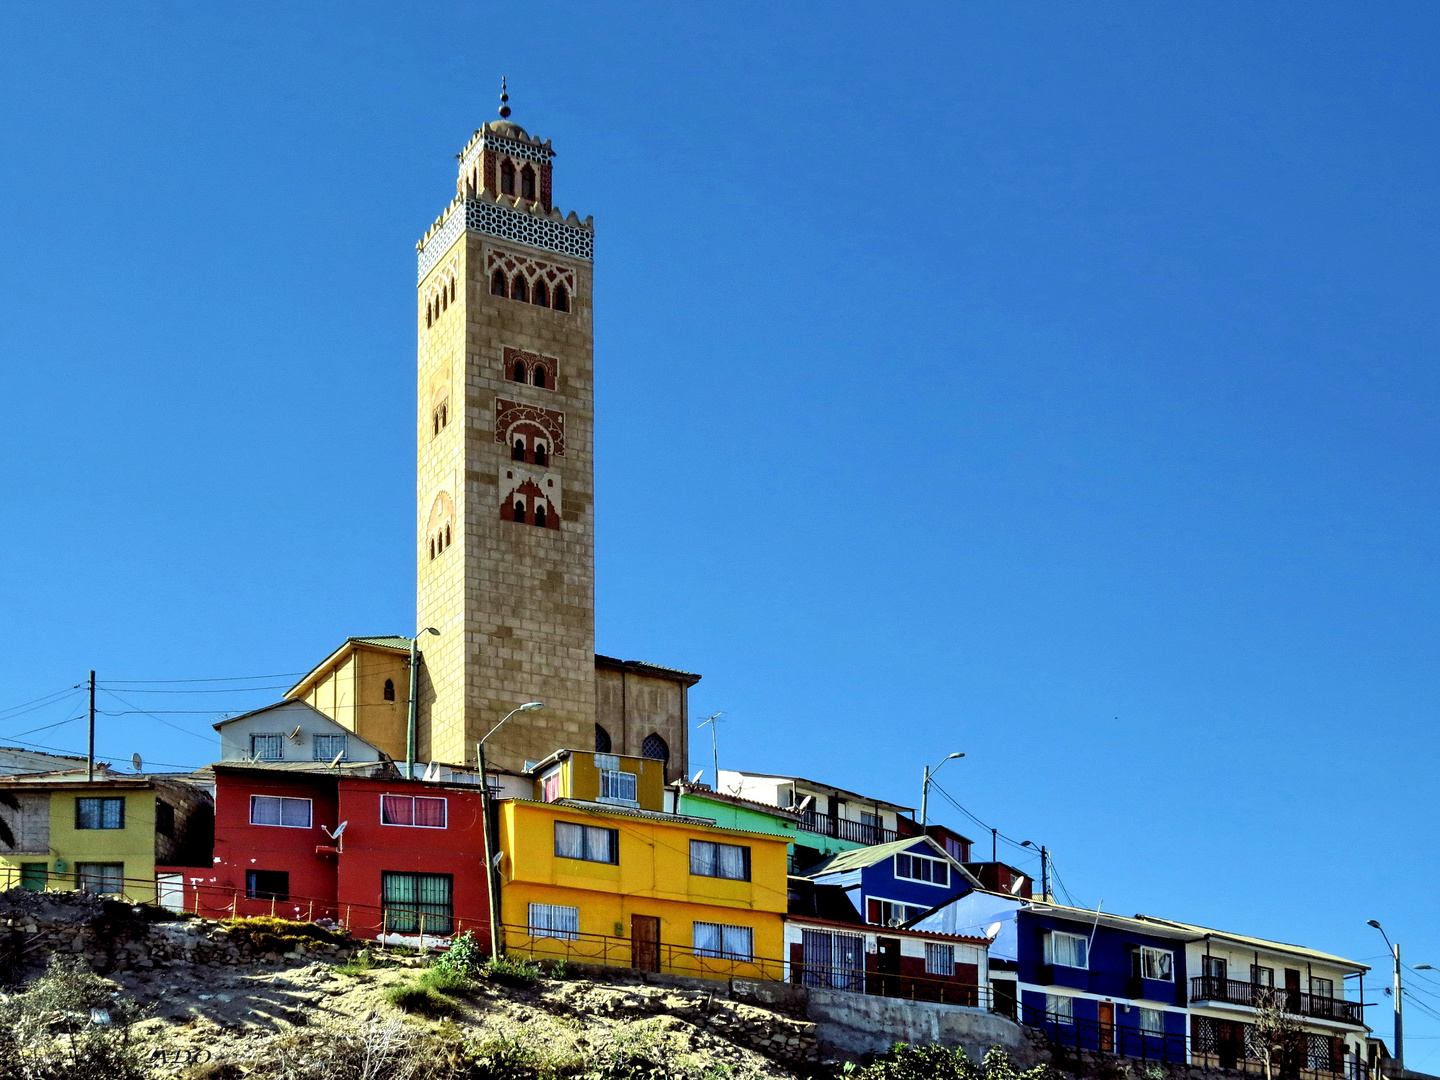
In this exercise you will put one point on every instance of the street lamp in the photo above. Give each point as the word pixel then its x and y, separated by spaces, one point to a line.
pixel 1044 867
pixel 925 789
pixel 492 875
pixel 414 695
pixel 1399 1018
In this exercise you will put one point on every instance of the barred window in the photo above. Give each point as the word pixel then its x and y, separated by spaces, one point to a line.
pixel 267 747
pixel 724 942
pixel 329 747
pixel 554 921
pixel 939 959
pixel 100 813
pixel 422 903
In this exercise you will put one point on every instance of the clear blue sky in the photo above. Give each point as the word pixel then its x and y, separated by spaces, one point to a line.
pixel 1053 382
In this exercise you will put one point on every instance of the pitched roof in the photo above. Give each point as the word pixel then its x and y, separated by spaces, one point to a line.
pixel 860 858
pixel 691 791
pixel 293 703
pixel 319 768
pixel 824 787
pixel 640 667
pixel 391 643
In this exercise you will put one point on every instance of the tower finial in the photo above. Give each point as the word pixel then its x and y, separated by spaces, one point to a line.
pixel 504 100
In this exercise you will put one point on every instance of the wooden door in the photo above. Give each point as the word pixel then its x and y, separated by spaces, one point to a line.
pixel 1107 1027
pixel 887 963
pixel 645 942
pixel 1292 989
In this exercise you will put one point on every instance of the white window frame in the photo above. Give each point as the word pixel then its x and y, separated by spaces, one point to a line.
pixel 911 858
pixel 724 953
pixel 1159 1019
pixel 280 735
pixel 920 909
pixel 611 778
pixel 1052 935
pixel 546 926
pixel 315 746
pixel 747 872
pixel 445 804
pixel 1149 951
pixel 1061 1008
pixel 612 841
pixel 940 959
pixel 282 799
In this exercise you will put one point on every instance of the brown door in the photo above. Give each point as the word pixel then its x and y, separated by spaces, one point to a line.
pixel 645 942
pixel 1107 1027
pixel 1292 990
pixel 887 963
pixel 1229 1043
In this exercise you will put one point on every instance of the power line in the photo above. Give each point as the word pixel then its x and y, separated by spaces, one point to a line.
pixel 167 723
pixel 232 678
pixel 216 690
pixel 99 753
pixel 1019 845
pixel 45 727
pixel 37 703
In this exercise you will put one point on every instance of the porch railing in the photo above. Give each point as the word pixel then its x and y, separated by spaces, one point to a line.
pixel 1212 988
pixel 858 832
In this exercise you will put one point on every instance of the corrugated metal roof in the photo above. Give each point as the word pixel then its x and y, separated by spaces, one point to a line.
pixel 862 857
pixel 389 641
pixel 1254 942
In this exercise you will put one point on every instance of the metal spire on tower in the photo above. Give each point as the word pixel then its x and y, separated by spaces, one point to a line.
pixel 504 100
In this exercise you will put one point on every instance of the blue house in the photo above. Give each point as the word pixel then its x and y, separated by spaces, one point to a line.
pixel 1092 980
pixel 895 883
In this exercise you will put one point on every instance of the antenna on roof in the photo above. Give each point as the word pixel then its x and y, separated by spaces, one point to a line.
pixel 504 100
pixel 714 752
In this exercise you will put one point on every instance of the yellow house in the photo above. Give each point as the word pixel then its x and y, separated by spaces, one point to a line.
pixel 626 886
pixel 609 779
pixel 105 835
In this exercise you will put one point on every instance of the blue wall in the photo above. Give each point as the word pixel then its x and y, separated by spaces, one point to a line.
pixel 1110 960
pixel 880 881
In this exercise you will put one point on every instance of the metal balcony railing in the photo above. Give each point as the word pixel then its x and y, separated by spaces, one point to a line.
pixel 858 832
pixel 1212 988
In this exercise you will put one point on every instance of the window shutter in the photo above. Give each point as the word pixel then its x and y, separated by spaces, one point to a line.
pixel 873 911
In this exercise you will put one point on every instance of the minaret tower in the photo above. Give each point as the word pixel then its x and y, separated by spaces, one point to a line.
pixel 505 480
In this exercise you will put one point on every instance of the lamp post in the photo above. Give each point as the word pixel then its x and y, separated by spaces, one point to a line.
pixel 492 877
pixel 414 695
pixel 925 789
pixel 1398 990
pixel 1044 868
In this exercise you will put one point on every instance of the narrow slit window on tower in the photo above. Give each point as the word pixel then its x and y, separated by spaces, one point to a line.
pixel 444 301
pixel 519 289
pixel 541 457
pixel 507 178
pixel 389 689
pixel 519 375
pixel 429 318
pixel 527 182
pixel 432 547
pixel 447 535
pixel 452 290
pixel 497 283
pixel 602 740
pixel 562 298
pixel 542 295
pixel 517 452
pixel 520 512
pixel 539 374
pixel 540 516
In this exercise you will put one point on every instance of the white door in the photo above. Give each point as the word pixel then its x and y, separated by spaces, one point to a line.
pixel 170 891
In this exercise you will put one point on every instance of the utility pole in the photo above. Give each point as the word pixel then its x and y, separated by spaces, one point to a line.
pixel 1044 872
pixel 925 789
pixel 90 745
pixel 1398 991
pixel 994 845
pixel 714 747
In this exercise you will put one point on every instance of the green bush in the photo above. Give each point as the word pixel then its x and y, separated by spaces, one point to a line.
pixel 463 955
pixel 445 980
pixel 413 998
pixel 905 1062
pixel 513 971
pixel 505 1057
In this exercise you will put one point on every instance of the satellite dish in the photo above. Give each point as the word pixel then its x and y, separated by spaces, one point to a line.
pixel 1016 885
pixel 993 930
pixel 806 803
pixel 295 734
pixel 696 778
pixel 338 830
pixel 135 760
pixel 336 759
pixel 496 858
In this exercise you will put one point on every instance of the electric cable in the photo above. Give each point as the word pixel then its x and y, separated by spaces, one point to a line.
pixel 232 678
pixel 167 723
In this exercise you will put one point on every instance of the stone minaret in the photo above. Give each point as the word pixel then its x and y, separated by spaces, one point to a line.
pixel 505 527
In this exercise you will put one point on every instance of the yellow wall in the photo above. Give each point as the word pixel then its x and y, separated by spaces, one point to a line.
pixel 652 877
pixel 133 846
pixel 580 779
pixel 352 693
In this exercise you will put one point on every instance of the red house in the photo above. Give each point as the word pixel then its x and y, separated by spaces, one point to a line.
pixel 355 844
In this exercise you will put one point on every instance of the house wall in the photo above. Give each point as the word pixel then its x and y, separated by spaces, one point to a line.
pixel 30 825
pixel 352 693
pixel 582 779
pixel 1109 973
pixel 241 846
pixel 778 791
pixel 729 816
pixel 971 960
pixel 630 706
pixel 133 846
pixel 192 841
pixel 284 719
pixel 879 882
pixel 372 847
pixel 652 877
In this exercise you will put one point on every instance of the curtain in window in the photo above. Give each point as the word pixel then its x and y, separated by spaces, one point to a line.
pixel 406 897
pixel 430 812
pixel 724 942
pixel 554 921
pixel 397 810
pixel 599 845
pixel 1066 950
pixel 569 841
pixel 731 862
pixel 100 877
pixel 617 785
pixel 327 746
pixel 295 812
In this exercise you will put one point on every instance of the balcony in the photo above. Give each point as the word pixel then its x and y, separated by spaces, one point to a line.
pixel 1228 991
pixel 857 832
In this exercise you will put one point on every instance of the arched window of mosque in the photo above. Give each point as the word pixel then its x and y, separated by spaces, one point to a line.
pixel 655 748
pixel 520 512
pixel 429 318
pixel 447 535
pixel 432 547
pixel 540 516
pixel 541 457
pixel 519 290
pixel 562 298
pixel 389 689
pixel 602 740
pixel 444 300
pixel 507 178
pixel 539 374
pixel 527 182
pixel 542 295
pixel 517 452
pixel 497 283
pixel 519 373
pixel 452 290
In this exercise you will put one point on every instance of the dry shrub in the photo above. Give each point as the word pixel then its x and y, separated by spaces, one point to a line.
pixel 268 934
pixel 378 1051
